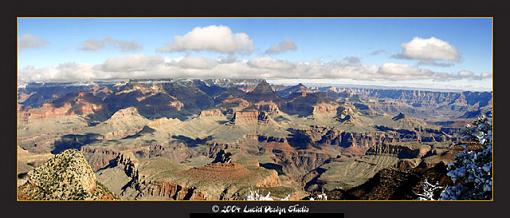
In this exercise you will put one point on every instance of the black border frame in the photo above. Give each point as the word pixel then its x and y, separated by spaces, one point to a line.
pixel 275 8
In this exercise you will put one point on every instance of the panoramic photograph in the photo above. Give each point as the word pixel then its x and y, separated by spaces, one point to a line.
pixel 254 109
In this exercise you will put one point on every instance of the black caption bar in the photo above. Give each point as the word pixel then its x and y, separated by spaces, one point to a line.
pixel 266 215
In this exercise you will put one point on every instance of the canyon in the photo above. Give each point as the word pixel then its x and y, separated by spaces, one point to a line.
pixel 221 139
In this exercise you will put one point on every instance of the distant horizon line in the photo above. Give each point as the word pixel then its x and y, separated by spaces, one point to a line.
pixel 271 81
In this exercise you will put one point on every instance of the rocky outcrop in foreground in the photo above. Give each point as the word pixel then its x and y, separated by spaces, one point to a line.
pixel 66 176
pixel 392 184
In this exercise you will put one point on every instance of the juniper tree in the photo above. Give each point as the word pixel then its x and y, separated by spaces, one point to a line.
pixel 471 172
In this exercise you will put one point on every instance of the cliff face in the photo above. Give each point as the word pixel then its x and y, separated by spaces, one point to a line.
pixel 345 139
pixel 98 157
pixel 324 137
pixel 162 122
pixel 170 190
pixel 245 117
pixel 47 110
pixel 269 107
pixel 250 118
pixel 324 108
pixel 85 104
pixel 417 97
pixel 66 176
pixel 211 113
pixel 80 103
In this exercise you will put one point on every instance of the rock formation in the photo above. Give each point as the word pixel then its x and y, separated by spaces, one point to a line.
pixel 66 176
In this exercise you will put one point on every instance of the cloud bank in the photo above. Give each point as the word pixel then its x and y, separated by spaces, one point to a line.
pixel 266 67
pixel 210 38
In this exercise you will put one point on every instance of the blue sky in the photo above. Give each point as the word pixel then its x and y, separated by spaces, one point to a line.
pixel 326 40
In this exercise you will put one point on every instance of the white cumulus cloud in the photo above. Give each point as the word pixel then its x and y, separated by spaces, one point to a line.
pixel 432 51
pixel 210 38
